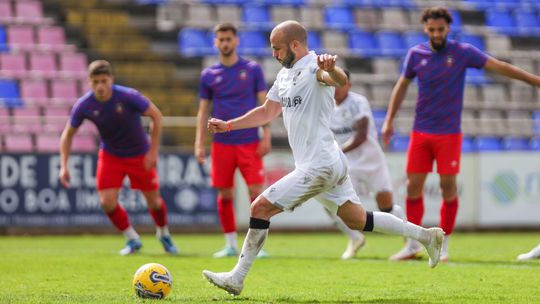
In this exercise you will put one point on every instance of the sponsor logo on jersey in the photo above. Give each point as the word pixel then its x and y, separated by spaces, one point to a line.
pixel 287 102
pixel 95 113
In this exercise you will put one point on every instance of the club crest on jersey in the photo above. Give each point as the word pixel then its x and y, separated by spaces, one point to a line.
pixel 95 113
pixel 423 62
pixel 119 108
pixel 449 61
pixel 242 75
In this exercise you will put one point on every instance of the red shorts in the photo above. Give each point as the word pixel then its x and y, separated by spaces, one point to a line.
pixel 111 171
pixel 226 158
pixel 445 149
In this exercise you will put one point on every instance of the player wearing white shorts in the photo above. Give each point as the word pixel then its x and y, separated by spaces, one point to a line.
pixel 303 92
pixel 355 132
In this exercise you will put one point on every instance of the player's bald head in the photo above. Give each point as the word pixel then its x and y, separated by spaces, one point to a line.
pixel 290 30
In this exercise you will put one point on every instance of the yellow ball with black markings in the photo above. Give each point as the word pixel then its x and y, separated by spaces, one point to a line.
pixel 152 281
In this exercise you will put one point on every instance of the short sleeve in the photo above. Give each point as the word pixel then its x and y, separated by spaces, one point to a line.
pixel 77 115
pixel 273 93
pixel 361 108
pixel 205 91
pixel 408 65
pixel 475 57
pixel 138 101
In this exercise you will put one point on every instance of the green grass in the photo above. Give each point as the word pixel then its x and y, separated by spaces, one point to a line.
pixel 303 268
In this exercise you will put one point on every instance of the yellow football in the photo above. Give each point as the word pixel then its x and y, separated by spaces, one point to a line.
pixel 152 281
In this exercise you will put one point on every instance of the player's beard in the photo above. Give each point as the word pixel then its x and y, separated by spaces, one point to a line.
pixel 287 62
pixel 438 46
pixel 226 52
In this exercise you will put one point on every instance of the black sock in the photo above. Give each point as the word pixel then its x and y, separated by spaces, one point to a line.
pixel 369 221
pixel 256 223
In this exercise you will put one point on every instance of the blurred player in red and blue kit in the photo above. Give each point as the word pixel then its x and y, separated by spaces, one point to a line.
pixel 231 88
pixel 439 66
pixel 125 150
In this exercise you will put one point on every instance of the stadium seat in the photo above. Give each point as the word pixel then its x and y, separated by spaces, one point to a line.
pixel 64 92
pixel 56 112
pixel 457 23
pixel 84 143
pixel 527 22
pixel 18 143
pixel 476 76
pixel 390 44
pixel 312 17
pixel 475 40
pixel 367 18
pixel 534 144
pixel 52 38
pixel 195 43
pixel 9 93
pixel 413 38
pixel 339 18
pixel 399 143
pixel 228 13
pixel 253 43
pixel 468 145
pixel 279 13
pixel 43 65
pixel 314 42
pixel 21 37
pixel 516 143
pixel 3 40
pixel 501 21
pixel 335 42
pixel 26 120
pixel 6 13
pixel 363 44
pixel 73 65
pixel 488 143
pixel 29 11
pixel 48 143
pixel 536 122
pixel 256 17
pixel 34 92
pixel 394 19
pixel 13 65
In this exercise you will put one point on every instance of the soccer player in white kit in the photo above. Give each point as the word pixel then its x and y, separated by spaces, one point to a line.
pixel 303 92
pixel 355 132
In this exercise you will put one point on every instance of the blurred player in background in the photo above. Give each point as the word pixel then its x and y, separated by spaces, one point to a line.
pixel 355 132
pixel 234 86
pixel 533 254
pixel 304 93
pixel 125 150
pixel 440 65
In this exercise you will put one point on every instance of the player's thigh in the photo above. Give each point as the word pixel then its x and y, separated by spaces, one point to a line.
pixel 420 155
pixel 250 163
pixel 109 173
pixel 141 178
pixel 338 194
pixel 448 153
pixel 223 165
pixel 294 189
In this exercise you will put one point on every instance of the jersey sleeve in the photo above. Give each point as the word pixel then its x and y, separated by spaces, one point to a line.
pixel 260 83
pixel 138 101
pixel 475 57
pixel 205 91
pixel 77 115
pixel 361 108
pixel 273 93
pixel 408 65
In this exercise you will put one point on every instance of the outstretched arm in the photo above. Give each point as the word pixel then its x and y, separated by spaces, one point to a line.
pixel 359 137
pixel 200 133
pixel 65 150
pixel 259 116
pixel 154 113
pixel 512 71
pixel 265 145
pixel 398 94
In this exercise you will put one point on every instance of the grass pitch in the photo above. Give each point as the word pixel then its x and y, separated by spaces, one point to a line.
pixel 303 268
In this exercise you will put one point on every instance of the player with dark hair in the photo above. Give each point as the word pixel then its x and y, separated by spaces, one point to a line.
pixel 304 93
pixel 439 65
pixel 124 151
pixel 229 89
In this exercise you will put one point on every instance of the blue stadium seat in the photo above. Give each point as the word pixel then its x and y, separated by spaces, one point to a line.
pixel 476 76
pixel 399 143
pixel 534 144
pixel 3 40
pixel 516 143
pixel 457 23
pixel 536 122
pixel 413 38
pixel 468 145
pixel 256 16
pixel 253 43
pixel 488 143
pixel 195 42
pixel 218 2
pixel 339 17
pixel 479 4
pixel 152 2
pixel 282 2
pixel 9 94
pixel 363 44
pixel 390 44
pixel 501 21
pixel 475 40
pixel 527 21
pixel 314 42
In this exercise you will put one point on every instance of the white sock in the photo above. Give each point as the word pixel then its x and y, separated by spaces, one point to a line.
pixel 231 239
pixel 130 233
pixel 252 245
pixel 398 211
pixel 444 249
pixel 338 222
pixel 390 224
pixel 162 231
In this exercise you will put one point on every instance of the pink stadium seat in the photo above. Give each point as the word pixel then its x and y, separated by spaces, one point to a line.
pixel 73 65
pixel 26 120
pixel 5 121
pixel 13 65
pixel 52 38
pixel 88 128
pixel 85 86
pixel 84 143
pixel 21 37
pixel 6 12
pixel 43 65
pixel 56 111
pixel 47 142
pixel 64 91
pixel 54 125
pixel 34 92
pixel 18 143
pixel 29 11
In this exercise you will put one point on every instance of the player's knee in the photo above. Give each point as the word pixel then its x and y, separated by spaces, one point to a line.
pixel 225 193
pixel 262 209
pixel 448 188
pixel 108 205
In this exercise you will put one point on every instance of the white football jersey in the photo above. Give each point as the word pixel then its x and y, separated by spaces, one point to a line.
pixel 307 107
pixel 369 154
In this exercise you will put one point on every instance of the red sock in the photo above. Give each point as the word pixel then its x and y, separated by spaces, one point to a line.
pixel 415 210
pixel 159 215
pixel 225 210
pixel 448 215
pixel 119 217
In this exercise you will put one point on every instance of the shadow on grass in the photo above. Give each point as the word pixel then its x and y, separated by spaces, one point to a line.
pixel 316 301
